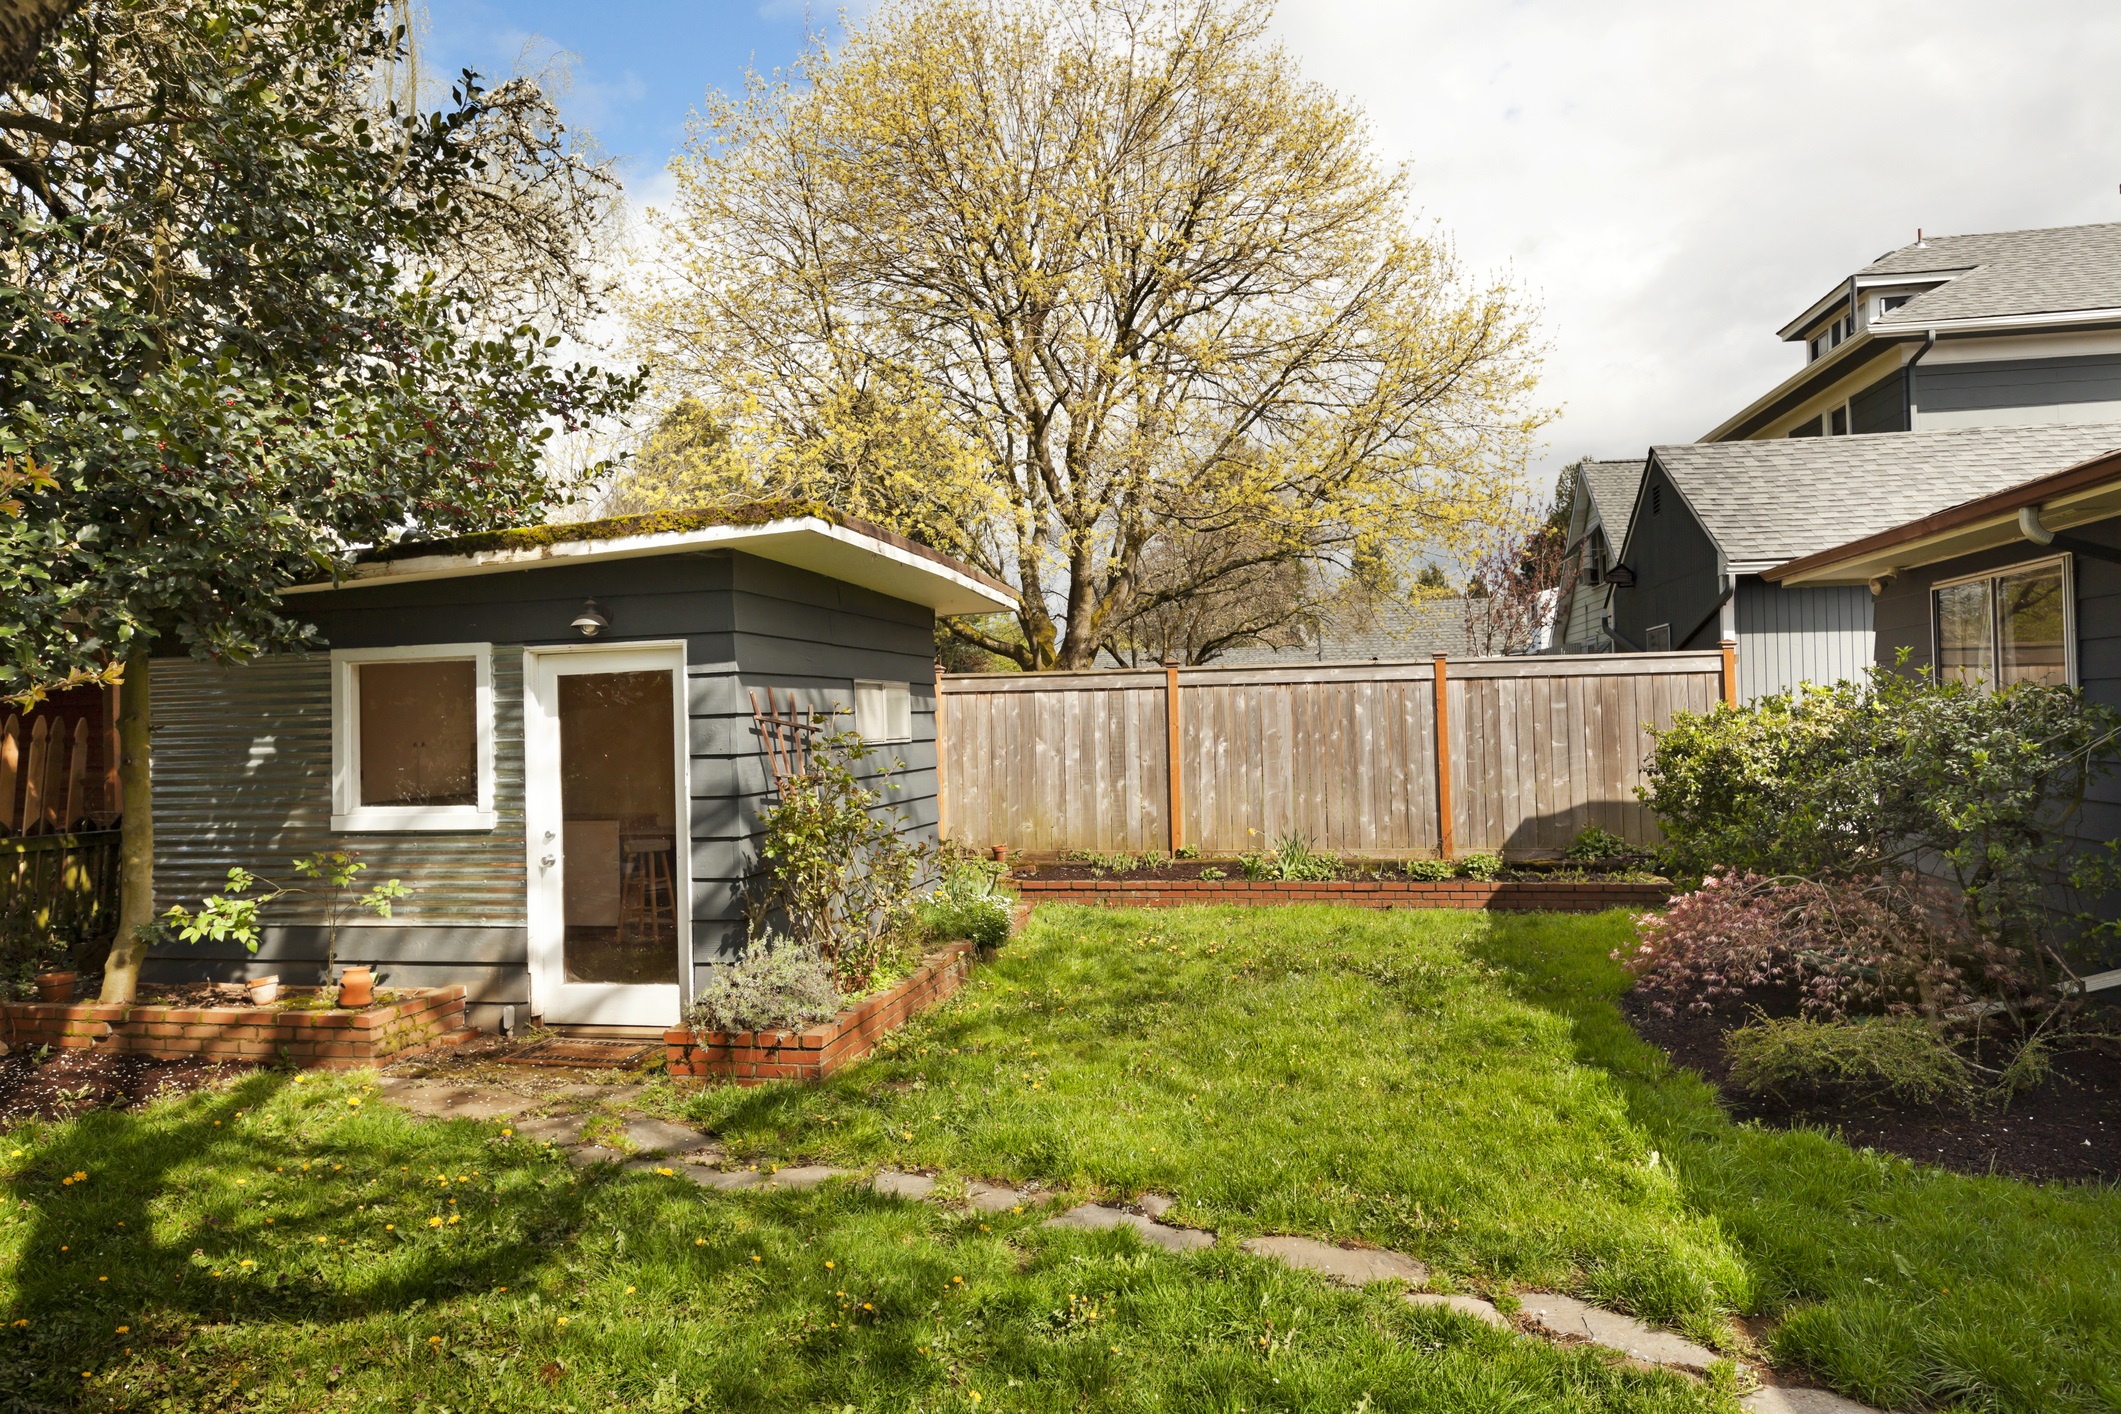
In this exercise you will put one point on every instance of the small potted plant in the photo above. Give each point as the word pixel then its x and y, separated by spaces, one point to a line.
pixel 56 986
pixel 264 991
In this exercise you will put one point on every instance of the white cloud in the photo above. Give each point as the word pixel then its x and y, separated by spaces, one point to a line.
pixel 1673 181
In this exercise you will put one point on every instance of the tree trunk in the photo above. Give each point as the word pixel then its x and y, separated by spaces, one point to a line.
pixel 136 842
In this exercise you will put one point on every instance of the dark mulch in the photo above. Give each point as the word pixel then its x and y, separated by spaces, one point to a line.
pixel 70 1082
pixel 1516 872
pixel 2069 1128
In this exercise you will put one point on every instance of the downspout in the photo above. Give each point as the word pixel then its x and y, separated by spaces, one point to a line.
pixel 1730 587
pixel 1907 382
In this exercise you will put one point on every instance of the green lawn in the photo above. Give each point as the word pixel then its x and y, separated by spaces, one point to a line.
pixel 1457 1086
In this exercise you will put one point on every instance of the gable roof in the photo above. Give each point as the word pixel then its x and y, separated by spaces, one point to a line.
pixel 1766 503
pixel 1391 632
pixel 1613 485
pixel 2057 270
pixel 805 536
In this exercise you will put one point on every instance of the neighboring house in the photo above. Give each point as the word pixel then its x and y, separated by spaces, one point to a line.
pixel 2022 583
pixel 1387 632
pixel 1601 499
pixel 548 736
pixel 1710 519
pixel 2011 328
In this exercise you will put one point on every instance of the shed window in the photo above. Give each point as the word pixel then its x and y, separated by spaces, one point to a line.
pixel 412 738
pixel 2010 626
pixel 883 711
pixel 1657 638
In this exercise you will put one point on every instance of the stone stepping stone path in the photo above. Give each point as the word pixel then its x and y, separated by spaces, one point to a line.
pixel 660 1147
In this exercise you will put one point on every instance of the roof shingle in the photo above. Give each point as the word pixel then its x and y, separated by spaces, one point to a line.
pixel 2050 271
pixel 1613 486
pixel 1767 502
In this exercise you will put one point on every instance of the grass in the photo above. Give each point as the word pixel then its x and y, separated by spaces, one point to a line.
pixel 1462 1087
pixel 1457 1086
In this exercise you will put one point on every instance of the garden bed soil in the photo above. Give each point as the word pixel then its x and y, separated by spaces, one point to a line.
pixel 2069 1128
pixel 1517 871
pixel 73 1082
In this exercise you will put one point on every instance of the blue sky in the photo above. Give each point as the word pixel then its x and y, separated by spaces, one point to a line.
pixel 639 66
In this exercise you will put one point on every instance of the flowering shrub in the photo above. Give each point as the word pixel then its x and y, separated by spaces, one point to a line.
pixel 779 983
pixel 968 905
pixel 1887 943
pixel 839 865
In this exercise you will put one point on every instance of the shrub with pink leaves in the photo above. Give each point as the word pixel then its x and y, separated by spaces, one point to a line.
pixel 1887 943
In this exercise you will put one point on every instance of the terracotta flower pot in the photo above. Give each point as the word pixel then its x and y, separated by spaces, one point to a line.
pixel 357 987
pixel 55 986
pixel 264 991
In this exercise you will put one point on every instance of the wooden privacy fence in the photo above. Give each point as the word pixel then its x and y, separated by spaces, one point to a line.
pixel 58 803
pixel 1346 756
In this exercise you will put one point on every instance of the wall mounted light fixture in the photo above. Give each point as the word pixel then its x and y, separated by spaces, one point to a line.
pixel 591 620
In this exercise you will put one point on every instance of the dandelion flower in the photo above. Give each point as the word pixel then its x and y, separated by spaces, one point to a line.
pixel 699 1242
pixel 629 1291
pixel 434 1222
pixel 563 1320
pixel 828 1266
pixel 125 1330
pixel 434 1340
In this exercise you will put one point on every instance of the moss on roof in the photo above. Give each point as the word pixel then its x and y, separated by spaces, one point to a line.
pixel 534 537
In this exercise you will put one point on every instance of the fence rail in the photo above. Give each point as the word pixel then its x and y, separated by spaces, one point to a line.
pixel 60 885
pixel 1345 755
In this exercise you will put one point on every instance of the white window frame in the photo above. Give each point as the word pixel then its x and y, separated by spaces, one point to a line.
pixel 347 813
pixel 1995 627
pixel 1651 632
pixel 892 731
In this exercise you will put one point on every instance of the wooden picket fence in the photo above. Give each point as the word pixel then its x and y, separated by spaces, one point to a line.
pixel 58 814
pixel 1444 758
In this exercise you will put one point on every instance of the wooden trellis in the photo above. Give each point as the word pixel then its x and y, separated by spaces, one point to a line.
pixel 786 738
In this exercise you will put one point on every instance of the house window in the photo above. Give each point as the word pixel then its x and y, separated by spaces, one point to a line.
pixel 883 711
pixel 1594 558
pixel 1657 638
pixel 1888 303
pixel 2009 626
pixel 1837 422
pixel 412 738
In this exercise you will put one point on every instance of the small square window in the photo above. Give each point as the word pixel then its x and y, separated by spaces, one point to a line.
pixel 1657 638
pixel 412 738
pixel 2008 627
pixel 883 711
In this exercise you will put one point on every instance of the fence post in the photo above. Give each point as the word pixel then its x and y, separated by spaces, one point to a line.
pixel 1445 845
pixel 1730 671
pixel 10 767
pixel 942 796
pixel 1172 756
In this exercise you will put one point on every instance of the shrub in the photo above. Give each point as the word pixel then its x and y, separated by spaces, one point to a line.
pixel 1256 866
pixel 778 984
pixel 1887 943
pixel 839 866
pixel 1479 866
pixel 968 905
pixel 1899 771
pixel 1294 859
pixel 1430 870
pixel 1902 1056
pixel 1593 842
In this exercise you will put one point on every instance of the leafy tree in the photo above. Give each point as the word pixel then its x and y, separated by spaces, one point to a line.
pixel 254 322
pixel 1053 284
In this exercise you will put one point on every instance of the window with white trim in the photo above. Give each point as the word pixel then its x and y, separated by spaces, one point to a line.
pixel 2011 625
pixel 412 738
pixel 883 711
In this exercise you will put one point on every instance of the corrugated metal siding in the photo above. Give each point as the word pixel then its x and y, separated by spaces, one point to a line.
pixel 1790 636
pixel 242 766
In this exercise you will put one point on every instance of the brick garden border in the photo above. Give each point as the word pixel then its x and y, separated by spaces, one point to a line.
pixel 1555 895
pixel 752 1057
pixel 421 1018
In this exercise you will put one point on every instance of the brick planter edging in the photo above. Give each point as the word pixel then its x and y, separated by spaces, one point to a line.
pixel 1558 895
pixel 750 1057
pixel 421 1018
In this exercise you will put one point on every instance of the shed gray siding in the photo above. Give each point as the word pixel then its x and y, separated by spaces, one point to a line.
pixel 1903 619
pixel 1677 567
pixel 1792 636
pixel 2017 383
pixel 243 754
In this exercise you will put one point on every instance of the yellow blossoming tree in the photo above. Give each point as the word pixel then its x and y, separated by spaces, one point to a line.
pixel 1073 289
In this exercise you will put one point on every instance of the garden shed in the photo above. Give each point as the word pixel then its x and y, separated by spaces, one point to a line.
pixel 551 737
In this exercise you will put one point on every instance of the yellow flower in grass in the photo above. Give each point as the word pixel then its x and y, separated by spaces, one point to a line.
pixel 434 1222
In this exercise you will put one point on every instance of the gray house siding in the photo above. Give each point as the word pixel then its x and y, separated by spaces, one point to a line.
pixel 1903 619
pixel 1792 636
pixel 1882 407
pixel 1677 567
pixel 243 754
pixel 2017 383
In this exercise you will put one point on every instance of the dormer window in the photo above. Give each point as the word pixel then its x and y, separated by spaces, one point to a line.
pixel 1829 338
pixel 1888 303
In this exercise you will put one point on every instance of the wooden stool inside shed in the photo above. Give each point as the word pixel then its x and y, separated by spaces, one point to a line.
pixel 648 893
